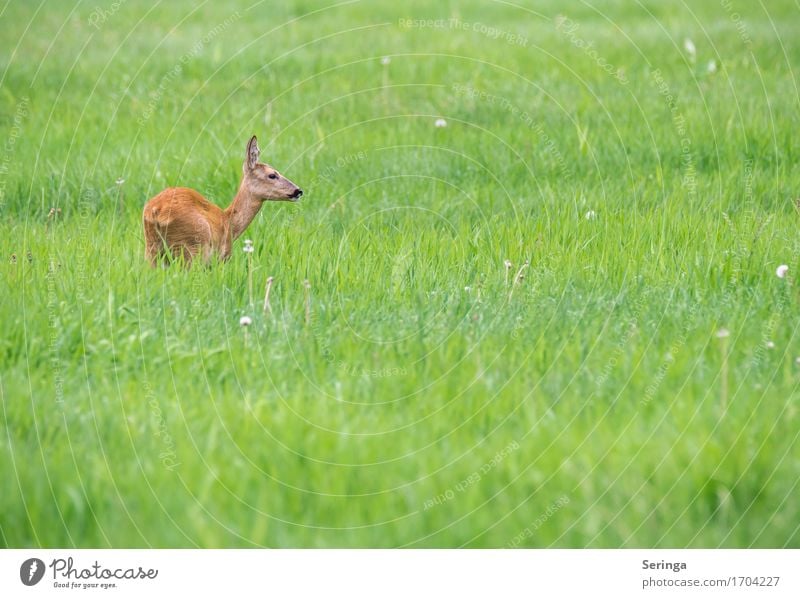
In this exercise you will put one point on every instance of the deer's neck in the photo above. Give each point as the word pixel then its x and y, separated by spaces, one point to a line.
pixel 242 210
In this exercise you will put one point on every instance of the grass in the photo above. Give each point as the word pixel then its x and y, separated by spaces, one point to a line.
pixel 424 404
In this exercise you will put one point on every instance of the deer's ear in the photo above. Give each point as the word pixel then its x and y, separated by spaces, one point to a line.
pixel 251 158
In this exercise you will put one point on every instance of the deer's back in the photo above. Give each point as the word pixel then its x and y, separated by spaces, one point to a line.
pixel 176 203
pixel 184 216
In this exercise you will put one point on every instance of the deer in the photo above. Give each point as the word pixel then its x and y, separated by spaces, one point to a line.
pixel 180 223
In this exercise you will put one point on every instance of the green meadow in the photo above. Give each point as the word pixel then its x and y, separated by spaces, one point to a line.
pixel 541 243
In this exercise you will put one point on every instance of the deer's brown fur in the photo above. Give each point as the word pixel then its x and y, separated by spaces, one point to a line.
pixel 179 222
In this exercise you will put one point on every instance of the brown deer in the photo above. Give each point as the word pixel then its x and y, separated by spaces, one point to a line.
pixel 181 223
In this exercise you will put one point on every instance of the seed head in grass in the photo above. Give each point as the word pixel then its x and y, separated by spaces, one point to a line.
pixel 770 345
pixel 518 278
pixel 245 322
pixel 440 123
pixel 520 275
pixel 590 215
pixel 781 271
pixel 688 45
pixel 248 250
pixel 267 306
pixel 51 217
pixel 120 181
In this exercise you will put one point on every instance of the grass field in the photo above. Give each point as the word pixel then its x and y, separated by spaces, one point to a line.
pixel 641 156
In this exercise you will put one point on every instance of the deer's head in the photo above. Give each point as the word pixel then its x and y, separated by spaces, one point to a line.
pixel 263 181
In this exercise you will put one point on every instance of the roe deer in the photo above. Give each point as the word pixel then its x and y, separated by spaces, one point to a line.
pixel 181 223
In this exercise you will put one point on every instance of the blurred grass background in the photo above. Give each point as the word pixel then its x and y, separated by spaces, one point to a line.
pixel 653 208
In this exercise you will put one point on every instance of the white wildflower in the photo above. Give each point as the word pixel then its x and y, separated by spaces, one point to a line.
pixel 245 321
pixel 781 271
pixel 440 122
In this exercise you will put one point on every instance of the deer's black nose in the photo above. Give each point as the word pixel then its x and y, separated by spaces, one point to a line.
pixel 297 193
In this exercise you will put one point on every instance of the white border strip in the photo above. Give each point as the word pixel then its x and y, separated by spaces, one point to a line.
pixel 402 573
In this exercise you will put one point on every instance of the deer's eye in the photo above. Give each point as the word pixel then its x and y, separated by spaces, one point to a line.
pixel 272 175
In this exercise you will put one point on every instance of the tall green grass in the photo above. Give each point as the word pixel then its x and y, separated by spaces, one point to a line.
pixel 425 404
